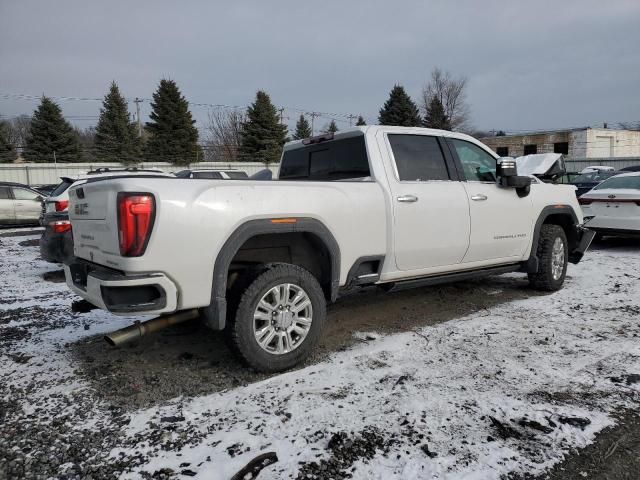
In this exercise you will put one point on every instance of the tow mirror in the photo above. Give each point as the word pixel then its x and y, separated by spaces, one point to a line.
pixel 507 173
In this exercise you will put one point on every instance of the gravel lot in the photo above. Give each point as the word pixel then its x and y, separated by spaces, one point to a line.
pixel 482 379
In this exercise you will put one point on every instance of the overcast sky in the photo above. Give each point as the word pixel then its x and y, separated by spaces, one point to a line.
pixel 530 65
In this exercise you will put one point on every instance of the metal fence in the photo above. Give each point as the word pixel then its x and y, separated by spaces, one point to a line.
pixel 50 173
pixel 578 164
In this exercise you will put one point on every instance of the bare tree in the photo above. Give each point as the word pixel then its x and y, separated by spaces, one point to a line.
pixel 452 93
pixel 223 135
pixel 19 130
pixel 629 125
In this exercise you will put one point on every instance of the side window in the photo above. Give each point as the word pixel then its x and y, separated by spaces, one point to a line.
pixel 22 194
pixel 418 158
pixel 209 175
pixel 477 164
pixel 4 193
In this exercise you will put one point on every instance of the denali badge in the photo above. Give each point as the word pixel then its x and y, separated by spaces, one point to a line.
pixel 81 208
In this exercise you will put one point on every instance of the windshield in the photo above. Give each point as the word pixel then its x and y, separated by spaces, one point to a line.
pixel 594 177
pixel 632 182
pixel 60 189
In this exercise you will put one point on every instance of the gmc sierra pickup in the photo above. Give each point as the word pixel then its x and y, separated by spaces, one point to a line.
pixel 392 206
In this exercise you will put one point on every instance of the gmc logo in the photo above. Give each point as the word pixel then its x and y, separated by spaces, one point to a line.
pixel 81 208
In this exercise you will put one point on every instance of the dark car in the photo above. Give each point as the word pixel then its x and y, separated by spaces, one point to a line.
pixel 632 168
pixel 56 243
pixel 19 204
pixel 213 174
pixel 587 181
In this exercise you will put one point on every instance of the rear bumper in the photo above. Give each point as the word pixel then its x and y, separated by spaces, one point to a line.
pixel 120 294
pixel 56 247
pixel 584 239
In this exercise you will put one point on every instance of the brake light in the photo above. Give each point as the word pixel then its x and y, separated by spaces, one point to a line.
pixel 61 205
pixel 60 226
pixel 584 201
pixel 136 212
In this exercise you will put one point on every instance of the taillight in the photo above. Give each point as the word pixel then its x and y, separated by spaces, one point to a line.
pixel 136 212
pixel 60 226
pixel 61 205
pixel 584 201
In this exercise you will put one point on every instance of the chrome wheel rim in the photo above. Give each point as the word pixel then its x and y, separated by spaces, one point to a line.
pixel 557 259
pixel 282 319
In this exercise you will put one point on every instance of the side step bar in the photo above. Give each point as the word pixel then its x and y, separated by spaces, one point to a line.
pixel 450 277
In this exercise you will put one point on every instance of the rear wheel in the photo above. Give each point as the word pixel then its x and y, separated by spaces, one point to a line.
pixel 552 255
pixel 279 318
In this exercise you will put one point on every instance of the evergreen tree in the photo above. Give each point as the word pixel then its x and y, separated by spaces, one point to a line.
pixel 360 122
pixel 399 110
pixel 50 133
pixel 116 138
pixel 500 133
pixel 332 127
pixel 7 150
pixel 303 129
pixel 173 136
pixel 435 116
pixel 262 134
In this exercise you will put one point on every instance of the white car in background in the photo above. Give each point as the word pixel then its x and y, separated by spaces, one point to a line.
pixel 597 168
pixel 613 206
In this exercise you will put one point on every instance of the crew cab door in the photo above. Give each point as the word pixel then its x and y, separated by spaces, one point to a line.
pixel 7 211
pixel 501 221
pixel 430 207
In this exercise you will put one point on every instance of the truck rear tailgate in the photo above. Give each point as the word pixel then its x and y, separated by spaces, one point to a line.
pixel 93 215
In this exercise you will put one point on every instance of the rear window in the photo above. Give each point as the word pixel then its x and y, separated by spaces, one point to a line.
pixel 594 177
pixel 237 175
pixel 61 188
pixel 210 175
pixel 340 159
pixel 632 182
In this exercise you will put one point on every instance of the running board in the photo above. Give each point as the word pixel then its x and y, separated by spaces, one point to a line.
pixel 450 277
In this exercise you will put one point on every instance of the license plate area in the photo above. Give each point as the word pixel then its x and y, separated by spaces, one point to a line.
pixel 79 272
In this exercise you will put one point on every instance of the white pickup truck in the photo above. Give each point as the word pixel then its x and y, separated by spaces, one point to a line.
pixel 391 206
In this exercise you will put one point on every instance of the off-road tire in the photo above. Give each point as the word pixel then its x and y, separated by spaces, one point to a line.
pixel 543 279
pixel 239 327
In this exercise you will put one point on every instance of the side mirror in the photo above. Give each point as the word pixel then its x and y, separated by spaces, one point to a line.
pixel 507 173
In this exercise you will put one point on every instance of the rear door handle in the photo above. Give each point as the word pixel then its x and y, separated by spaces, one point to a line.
pixel 479 197
pixel 407 198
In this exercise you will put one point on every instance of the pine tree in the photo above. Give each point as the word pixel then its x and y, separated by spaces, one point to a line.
pixel 7 150
pixel 116 138
pixel 173 136
pixel 332 127
pixel 399 110
pixel 303 129
pixel 360 122
pixel 50 133
pixel 435 116
pixel 262 134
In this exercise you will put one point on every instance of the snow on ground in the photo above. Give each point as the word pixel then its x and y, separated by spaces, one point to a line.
pixel 511 389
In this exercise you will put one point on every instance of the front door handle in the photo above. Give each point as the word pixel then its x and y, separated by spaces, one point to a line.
pixel 407 198
pixel 479 197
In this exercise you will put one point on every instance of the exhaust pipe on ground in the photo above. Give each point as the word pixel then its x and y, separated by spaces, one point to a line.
pixel 139 329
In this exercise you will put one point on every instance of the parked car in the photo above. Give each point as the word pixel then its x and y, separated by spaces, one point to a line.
pixel 632 168
pixel 56 243
pixel 587 181
pixel 19 204
pixel 395 207
pixel 613 207
pixel 213 173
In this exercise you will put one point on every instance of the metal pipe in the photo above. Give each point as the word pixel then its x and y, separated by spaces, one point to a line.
pixel 139 329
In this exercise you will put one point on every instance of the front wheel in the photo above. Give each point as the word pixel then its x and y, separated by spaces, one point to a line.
pixel 279 318
pixel 553 254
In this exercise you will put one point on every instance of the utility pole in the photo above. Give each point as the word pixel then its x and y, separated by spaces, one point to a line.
pixel 351 118
pixel 281 110
pixel 313 115
pixel 137 101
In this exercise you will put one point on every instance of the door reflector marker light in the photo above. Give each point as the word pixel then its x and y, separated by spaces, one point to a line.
pixel 136 212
